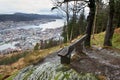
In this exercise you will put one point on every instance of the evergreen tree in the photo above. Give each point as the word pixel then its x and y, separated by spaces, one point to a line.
pixel 101 17
pixel 82 23
pixel 117 13
pixel 36 46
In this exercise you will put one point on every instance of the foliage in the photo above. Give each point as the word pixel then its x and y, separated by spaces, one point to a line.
pixel 117 13
pixel 37 46
pixel 72 31
pixel 12 76
pixel 101 22
pixel 37 56
pixel 76 26
pixel 99 39
pixel 28 74
pixel 1 76
pixel 64 34
pixel 116 40
pixel 71 10
pixel 101 18
pixel 32 57
pixel 13 58
pixel 82 23
pixel 50 43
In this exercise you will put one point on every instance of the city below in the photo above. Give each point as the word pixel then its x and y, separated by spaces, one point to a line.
pixel 23 35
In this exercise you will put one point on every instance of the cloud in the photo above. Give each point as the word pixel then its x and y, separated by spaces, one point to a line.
pixel 28 6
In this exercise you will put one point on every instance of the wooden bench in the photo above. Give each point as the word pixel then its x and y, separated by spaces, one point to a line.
pixel 66 52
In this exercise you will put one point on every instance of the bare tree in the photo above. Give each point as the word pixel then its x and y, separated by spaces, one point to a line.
pixel 63 8
pixel 71 10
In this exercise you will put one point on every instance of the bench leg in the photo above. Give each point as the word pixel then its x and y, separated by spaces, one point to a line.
pixel 65 60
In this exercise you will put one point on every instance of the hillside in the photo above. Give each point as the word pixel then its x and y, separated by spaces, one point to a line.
pixel 104 59
pixel 25 17
pixel 99 39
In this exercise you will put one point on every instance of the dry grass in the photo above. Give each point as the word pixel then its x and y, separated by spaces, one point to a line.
pixel 98 39
pixel 39 55
pixel 102 77
pixel 117 31
pixel 31 58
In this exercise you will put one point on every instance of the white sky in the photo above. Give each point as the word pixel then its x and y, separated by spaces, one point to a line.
pixel 26 6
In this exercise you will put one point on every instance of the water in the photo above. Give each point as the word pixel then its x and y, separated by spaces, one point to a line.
pixel 54 24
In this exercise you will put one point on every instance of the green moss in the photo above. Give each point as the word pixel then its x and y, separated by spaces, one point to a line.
pixel 99 40
pixel 116 41
pixel 28 74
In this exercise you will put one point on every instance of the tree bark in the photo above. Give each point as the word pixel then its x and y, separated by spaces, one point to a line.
pixel 94 23
pixel 67 14
pixel 110 28
pixel 90 22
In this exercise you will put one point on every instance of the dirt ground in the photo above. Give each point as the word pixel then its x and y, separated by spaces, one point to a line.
pixel 103 62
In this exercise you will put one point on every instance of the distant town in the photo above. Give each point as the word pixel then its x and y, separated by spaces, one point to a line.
pixel 24 35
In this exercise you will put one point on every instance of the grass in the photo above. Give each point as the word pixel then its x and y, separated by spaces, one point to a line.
pixel 1 76
pixel 116 41
pixel 35 57
pixel 11 77
pixel 32 57
pixel 28 74
pixel 38 55
pixel 99 39
pixel 11 59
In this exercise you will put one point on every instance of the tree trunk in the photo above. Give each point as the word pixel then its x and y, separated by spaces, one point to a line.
pixel 90 21
pixel 94 23
pixel 67 14
pixel 110 28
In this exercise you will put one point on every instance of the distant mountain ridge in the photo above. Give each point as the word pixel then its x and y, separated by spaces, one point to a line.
pixel 25 17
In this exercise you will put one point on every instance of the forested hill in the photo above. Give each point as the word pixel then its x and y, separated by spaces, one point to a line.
pixel 25 17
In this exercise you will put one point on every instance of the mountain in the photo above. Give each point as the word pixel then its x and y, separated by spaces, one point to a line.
pixel 25 17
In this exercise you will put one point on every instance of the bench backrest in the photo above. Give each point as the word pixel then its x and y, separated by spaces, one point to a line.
pixel 67 50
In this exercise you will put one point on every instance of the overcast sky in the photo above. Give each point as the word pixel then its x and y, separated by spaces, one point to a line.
pixel 26 6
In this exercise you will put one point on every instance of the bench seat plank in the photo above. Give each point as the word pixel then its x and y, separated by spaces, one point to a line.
pixel 66 52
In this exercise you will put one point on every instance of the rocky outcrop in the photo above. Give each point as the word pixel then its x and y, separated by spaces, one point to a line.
pixel 51 69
